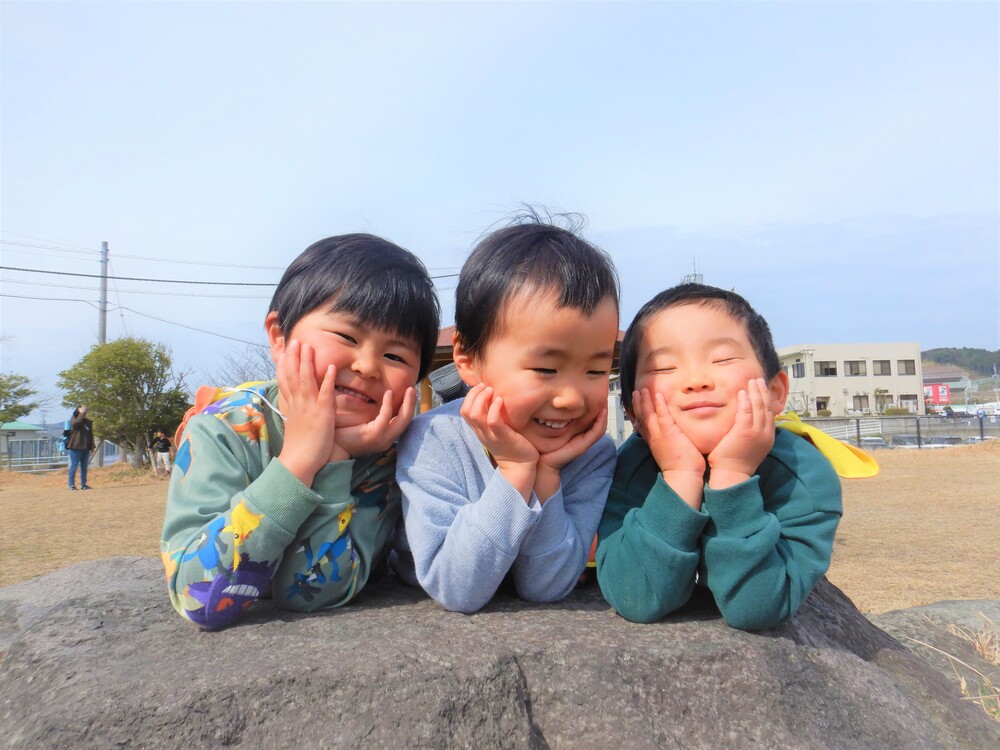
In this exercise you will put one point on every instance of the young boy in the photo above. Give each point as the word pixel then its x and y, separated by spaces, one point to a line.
pixel 512 479
pixel 161 450
pixel 707 491
pixel 288 486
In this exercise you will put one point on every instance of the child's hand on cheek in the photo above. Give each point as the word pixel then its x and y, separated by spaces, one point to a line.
pixel 308 409
pixel 682 464
pixel 515 457
pixel 549 464
pixel 376 436
pixel 737 456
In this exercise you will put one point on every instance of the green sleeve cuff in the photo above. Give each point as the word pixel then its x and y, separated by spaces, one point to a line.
pixel 281 497
pixel 737 511
pixel 671 519
pixel 333 482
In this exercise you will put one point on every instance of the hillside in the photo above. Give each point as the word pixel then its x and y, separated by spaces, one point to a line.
pixel 978 362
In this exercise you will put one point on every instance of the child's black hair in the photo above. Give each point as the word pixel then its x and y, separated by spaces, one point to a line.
pixel 381 284
pixel 738 308
pixel 529 254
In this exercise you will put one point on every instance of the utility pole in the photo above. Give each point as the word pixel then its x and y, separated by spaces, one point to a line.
pixel 102 327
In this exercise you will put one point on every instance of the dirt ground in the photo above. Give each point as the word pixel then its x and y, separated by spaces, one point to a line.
pixel 924 530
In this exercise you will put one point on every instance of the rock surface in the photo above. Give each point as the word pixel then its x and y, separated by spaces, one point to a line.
pixel 94 657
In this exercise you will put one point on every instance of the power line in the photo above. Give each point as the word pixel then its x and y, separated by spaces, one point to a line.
pixel 82 250
pixel 142 314
pixel 164 281
pixel 192 328
pixel 47 247
pixel 139 291
pixel 134 278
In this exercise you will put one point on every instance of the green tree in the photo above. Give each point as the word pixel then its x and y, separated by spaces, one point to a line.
pixel 130 389
pixel 14 392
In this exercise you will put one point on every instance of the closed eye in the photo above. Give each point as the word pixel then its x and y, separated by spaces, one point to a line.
pixel 349 339
pixel 599 373
pixel 396 358
pixel 543 371
pixel 726 360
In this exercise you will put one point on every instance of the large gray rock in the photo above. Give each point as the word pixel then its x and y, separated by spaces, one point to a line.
pixel 94 657
pixel 930 631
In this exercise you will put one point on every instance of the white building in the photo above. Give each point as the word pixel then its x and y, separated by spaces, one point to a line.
pixel 853 379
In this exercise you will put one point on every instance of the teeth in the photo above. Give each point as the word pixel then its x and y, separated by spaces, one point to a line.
pixel 553 425
pixel 241 590
pixel 356 394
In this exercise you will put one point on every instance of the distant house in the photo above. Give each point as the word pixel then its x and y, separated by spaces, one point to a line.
pixel 11 432
pixel 954 377
pixel 853 379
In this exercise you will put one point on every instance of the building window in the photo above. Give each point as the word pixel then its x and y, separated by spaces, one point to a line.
pixel 826 369
pixel 906 366
pixel 881 367
pixel 855 367
pixel 908 401
pixel 822 402
pixel 861 404
pixel 799 370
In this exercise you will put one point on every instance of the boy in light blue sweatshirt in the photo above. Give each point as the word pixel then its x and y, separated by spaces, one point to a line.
pixel 512 479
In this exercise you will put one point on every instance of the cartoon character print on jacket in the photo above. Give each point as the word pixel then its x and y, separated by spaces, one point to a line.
pixel 377 494
pixel 225 597
pixel 241 524
pixel 324 566
pixel 247 420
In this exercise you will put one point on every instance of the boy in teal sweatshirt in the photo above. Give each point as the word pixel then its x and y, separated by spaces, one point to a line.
pixel 288 487
pixel 707 492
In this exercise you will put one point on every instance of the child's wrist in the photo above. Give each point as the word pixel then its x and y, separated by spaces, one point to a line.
pixel 720 478
pixel 300 470
pixel 689 485
pixel 521 476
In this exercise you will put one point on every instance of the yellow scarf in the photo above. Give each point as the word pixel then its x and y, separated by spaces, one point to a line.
pixel 848 461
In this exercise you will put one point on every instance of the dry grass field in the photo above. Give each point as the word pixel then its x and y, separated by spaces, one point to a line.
pixel 925 530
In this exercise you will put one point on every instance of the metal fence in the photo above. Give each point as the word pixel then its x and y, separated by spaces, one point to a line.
pixel 47 454
pixel 912 430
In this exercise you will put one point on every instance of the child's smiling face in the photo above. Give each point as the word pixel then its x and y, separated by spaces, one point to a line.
pixel 699 358
pixel 369 361
pixel 550 364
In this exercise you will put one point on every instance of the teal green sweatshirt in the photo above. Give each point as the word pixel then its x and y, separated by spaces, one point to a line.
pixel 759 546
pixel 239 525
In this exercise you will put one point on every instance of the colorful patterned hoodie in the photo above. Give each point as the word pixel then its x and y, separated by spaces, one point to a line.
pixel 239 525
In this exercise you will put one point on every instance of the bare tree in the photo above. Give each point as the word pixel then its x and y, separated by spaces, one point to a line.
pixel 252 362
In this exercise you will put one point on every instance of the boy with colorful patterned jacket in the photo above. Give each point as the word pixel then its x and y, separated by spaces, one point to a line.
pixel 287 487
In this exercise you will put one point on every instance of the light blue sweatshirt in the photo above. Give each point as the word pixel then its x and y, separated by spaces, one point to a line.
pixel 467 526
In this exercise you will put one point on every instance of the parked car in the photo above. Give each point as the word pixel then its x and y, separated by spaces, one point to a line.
pixel 977 439
pixel 873 443
pixel 944 440
pixel 910 441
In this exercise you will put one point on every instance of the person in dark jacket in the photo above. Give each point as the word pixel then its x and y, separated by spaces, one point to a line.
pixel 80 445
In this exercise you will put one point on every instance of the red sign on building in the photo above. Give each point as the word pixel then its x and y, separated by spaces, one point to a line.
pixel 938 393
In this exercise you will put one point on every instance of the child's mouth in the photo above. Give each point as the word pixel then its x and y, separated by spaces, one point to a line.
pixel 552 425
pixel 354 394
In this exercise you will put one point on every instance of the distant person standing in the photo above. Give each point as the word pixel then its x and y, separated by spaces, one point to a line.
pixel 161 447
pixel 80 444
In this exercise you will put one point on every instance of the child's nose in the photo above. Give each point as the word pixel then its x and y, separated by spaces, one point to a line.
pixel 697 380
pixel 568 398
pixel 366 364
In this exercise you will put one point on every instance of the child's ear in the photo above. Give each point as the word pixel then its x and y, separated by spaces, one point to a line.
pixel 465 363
pixel 779 391
pixel 275 336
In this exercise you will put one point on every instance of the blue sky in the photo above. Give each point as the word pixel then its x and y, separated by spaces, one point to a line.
pixel 836 163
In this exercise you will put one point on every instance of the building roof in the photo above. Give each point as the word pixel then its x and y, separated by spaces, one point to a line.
pixel 19 427
pixel 939 373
